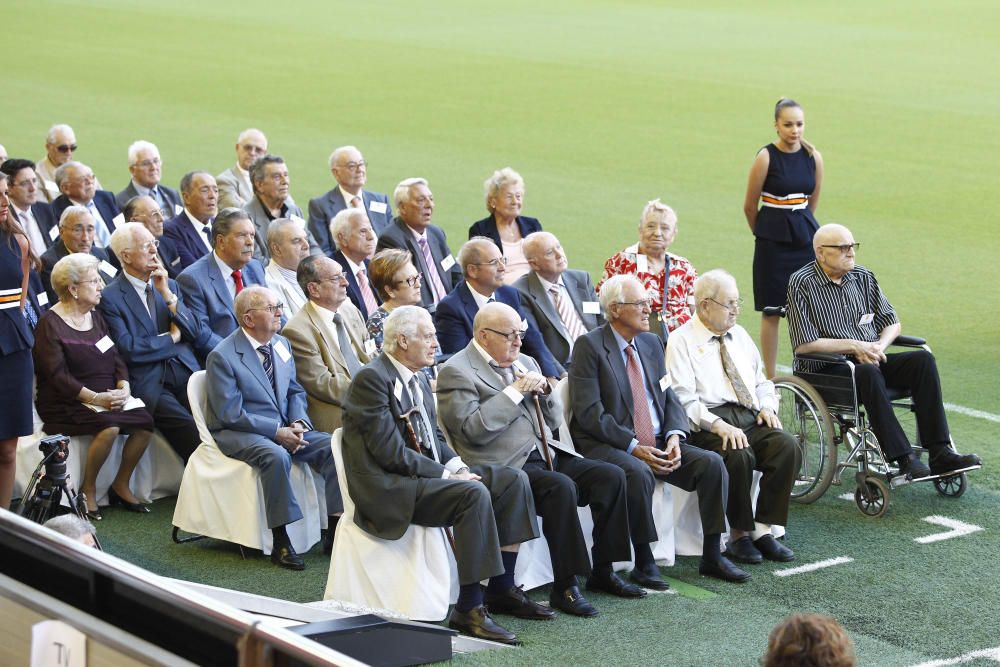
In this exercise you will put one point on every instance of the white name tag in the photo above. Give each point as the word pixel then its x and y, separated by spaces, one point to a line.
pixel 118 220
pixel 377 207
pixel 54 232
pixel 42 298
pixel 665 382
pixel 867 318
pixel 104 344
pixel 370 347
pixel 447 262
pixel 282 351
pixel 106 267
pixel 177 209
pixel 641 264
pixel 591 307
pixel 177 260
pixel 397 390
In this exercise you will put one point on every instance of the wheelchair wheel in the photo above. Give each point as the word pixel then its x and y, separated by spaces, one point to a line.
pixel 952 487
pixel 878 505
pixel 803 414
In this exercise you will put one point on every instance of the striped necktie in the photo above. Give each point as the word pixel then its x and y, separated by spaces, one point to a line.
pixel 267 362
pixel 567 313
pixel 642 421
pixel 437 287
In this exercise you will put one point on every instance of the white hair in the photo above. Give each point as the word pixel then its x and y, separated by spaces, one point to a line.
pixel 402 321
pixel 244 133
pixel 278 227
pixel 72 213
pixel 50 138
pixel 341 222
pixel 61 170
pixel 71 526
pixel 141 145
pixel 500 179
pixel 124 235
pixel 613 290
pixel 337 152
pixel 401 195
pixel 656 208
pixel 69 270
pixel 708 284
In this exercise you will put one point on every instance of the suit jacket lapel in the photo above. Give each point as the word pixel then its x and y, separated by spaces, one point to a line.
pixel 576 295
pixel 282 377
pixel 654 382
pixel 248 355
pixel 483 370
pixel 137 307
pixel 469 307
pixel 324 331
pixel 219 283
pixel 617 366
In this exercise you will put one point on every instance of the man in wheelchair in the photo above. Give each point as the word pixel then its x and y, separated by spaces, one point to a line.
pixel 837 307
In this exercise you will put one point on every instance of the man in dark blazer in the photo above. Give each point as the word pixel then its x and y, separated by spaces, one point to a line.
pixel 485 393
pixel 144 210
pixel 155 342
pixel 351 173
pixel 191 230
pixel 145 165
pixel 77 184
pixel 562 300
pixel 76 234
pixel 412 230
pixel 210 285
pixel 269 176
pixel 257 414
pixel 483 266
pixel 624 412
pixel 488 506
pixel 355 241
pixel 27 206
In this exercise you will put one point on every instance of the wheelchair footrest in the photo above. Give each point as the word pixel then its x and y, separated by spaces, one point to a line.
pixel 896 481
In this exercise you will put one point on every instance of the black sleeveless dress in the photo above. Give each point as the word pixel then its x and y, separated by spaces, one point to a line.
pixel 785 225
pixel 16 339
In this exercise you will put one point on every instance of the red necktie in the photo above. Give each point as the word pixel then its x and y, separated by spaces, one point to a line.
pixel 238 279
pixel 641 420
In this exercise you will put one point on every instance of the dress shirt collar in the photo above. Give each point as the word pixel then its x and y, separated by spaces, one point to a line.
pixel 404 373
pixel 481 300
pixel 348 196
pixel 418 235
pixel 352 267
pixel 142 190
pixel 701 334
pixel 546 285
pixel 227 271
pixel 254 343
pixel 19 211
pixel 139 285
pixel 289 275
pixel 88 205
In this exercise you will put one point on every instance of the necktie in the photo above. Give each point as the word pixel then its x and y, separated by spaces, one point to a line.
pixel 151 304
pixel 103 235
pixel 505 373
pixel 353 365
pixel 437 287
pixel 33 233
pixel 371 305
pixel 238 279
pixel 424 430
pixel 491 300
pixel 742 393
pixel 207 230
pixel 356 202
pixel 268 363
pixel 641 419
pixel 567 313
pixel 155 194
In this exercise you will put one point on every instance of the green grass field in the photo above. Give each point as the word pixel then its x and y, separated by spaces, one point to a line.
pixel 603 106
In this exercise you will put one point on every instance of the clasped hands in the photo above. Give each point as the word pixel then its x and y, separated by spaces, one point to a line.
pixel 291 437
pixel 661 461
pixel 868 353
pixel 112 399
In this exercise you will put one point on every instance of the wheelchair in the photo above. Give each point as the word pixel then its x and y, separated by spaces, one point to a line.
pixel 822 410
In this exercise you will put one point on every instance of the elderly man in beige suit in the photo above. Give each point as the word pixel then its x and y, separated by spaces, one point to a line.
pixel 329 340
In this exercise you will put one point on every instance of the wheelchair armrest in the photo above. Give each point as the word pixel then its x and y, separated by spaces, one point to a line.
pixel 909 341
pixel 775 310
pixel 823 357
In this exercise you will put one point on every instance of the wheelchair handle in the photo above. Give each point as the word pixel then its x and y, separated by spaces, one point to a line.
pixel 771 311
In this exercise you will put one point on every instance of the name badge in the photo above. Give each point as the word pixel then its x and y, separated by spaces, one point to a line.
pixel 282 351
pixel 665 382
pixel 42 298
pixel 397 390
pixel 53 232
pixel 178 209
pixel 177 260
pixel 867 318
pixel 377 207
pixel 641 264
pixel 447 262
pixel 106 267
pixel 104 344
pixel 369 347
pixel 591 307
pixel 118 220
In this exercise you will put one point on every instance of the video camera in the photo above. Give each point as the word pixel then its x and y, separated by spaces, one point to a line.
pixel 55 451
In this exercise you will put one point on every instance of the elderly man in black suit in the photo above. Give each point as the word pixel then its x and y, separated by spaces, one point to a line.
pixel 355 239
pixel 350 170
pixel 76 234
pixel 394 485
pixel 146 167
pixel 412 230
pixel 144 209
pixel 78 186
pixel 562 300
pixel 625 412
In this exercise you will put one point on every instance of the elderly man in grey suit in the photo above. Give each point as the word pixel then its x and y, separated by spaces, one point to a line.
pixel 257 414
pixel 562 300
pixel 395 481
pixel 146 167
pixel 235 189
pixel 270 201
pixel 350 170
pixel 487 394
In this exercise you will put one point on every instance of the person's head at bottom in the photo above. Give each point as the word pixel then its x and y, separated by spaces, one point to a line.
pixel 74 528
pixel 809 640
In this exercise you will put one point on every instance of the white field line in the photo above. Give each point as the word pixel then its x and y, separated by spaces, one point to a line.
pixel 950 407
pixel 846 496
pixel 989 653
pixel 809 567
pixel 957 529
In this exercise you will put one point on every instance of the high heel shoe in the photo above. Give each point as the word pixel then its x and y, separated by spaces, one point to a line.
pixel 115 500
pixel 94 514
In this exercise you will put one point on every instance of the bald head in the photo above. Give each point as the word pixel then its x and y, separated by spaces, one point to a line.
pixel 496 315
pixel 835 250
pixel 832 234
pixel 545 255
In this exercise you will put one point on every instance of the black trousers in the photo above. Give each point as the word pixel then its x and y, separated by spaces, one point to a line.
pixel 578 482
pixel 772 451
pixel 915 371
pixel 172 416
pixel 497 511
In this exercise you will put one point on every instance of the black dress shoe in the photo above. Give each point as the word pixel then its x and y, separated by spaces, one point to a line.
pixel 516 602
pixel 328 543
pixel 649 579
pixel 744 551
pixel 945 461
pixel 723 569
pixel 615 585
pixel 772 549
pixel 912 467
pixel 115 500
pixel 477 623
pixel 572 602
pixel 287 558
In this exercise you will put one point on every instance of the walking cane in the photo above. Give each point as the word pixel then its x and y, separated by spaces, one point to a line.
pixel 414 443
pixel 541 430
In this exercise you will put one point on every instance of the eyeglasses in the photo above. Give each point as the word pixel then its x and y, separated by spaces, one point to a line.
pixel 732 306
pixel 354 166
pixel 146 164
pixel 845 248
pixel 493 262
pixel 66 148
pixel 412 281
pixel 276 308
pixel 509 337
pixel 157 213
pixel 335 278
pixel 92 281
pixel 552 251
pixel 641 305
pixel 145 247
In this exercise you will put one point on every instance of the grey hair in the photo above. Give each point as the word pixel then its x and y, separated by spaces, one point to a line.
pixel 124 235
pixel 498 181
pixel 656 207
pixel 252 296
pixel 279 226
pixel 402 321
pixel 259 165
pixel 70 269
pixel 224 221
pixel 337 152
pixel 708 284
pixel 72 213
pixel 401 195
pixel 307 272
pixel 141 145
pixel 188 178
pixel 532 240
pixel 613 290
pixel 244 133
pixel 61 170
pixel 470 252
pixel 341 222
pixel 50 138
pixel 71 526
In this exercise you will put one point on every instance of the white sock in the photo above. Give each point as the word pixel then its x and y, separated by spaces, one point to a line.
pixel 760 530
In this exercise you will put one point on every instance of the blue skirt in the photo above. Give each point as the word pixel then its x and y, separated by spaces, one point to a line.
pixel 17 377
pixel 773 264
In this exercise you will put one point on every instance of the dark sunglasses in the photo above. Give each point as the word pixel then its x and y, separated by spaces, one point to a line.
pixel 66 148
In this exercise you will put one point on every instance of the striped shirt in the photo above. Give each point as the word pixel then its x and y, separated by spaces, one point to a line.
pixel 854 309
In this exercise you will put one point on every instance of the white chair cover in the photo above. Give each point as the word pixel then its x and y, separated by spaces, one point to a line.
pixel 414 576
pixel 222 498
